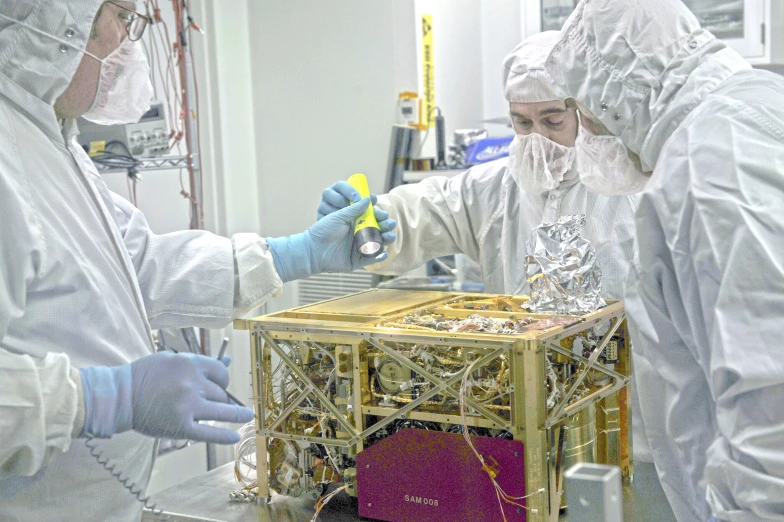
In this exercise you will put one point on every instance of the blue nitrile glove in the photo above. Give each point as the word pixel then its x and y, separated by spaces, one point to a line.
pixel 341 194
pixel 162 395
pixel 327 246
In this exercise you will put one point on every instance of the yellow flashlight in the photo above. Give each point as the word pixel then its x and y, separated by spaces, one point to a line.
pixel 367 234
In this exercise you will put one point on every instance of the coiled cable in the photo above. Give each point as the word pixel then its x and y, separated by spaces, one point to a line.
pixel 126 482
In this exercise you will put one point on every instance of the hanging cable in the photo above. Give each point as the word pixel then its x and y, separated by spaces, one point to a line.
pixel 126 482
pixel 321 502
pixel 196 115
pixel 112 160
pixel 499 492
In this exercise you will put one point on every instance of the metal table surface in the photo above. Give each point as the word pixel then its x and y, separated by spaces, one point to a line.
pixel 206 498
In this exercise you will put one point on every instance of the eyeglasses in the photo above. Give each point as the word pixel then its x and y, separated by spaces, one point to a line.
pixel 137 22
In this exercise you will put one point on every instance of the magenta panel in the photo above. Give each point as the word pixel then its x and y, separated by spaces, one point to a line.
pixel 432 476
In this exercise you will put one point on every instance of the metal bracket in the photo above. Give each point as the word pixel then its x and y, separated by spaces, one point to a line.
pixel 304 378
pixel 590 364
pixel 440 387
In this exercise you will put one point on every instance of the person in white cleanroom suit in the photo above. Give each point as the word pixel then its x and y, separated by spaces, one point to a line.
pixel 83 279
pixel 489 211
pixel 707 297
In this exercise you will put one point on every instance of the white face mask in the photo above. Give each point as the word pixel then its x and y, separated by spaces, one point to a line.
pixel 124 88
pixel 605 166
pixel 537 163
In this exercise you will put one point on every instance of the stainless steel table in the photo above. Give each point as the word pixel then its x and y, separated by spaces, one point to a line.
pixel 206 498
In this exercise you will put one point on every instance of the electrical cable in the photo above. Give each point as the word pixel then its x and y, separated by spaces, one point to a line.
pixel 427 132
pixel 321 502
pixel 127 162
pixel 161 31
pixel 184 108
pixel 126 482
pixel 170 83
pixel 245 456
pixel 499 492
pixel 196 113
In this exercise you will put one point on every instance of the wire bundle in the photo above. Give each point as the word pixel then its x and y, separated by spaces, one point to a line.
pixel 125 161
pixel 281 389
pixel 163 49
pixel 321 502
pixel 245 456
pixel 500 493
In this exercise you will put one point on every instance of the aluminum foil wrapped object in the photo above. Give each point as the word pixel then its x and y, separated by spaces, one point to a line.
pixel 561 269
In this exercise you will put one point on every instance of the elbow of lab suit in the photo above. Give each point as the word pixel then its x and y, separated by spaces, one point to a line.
pixel 194 277
pixel 436 217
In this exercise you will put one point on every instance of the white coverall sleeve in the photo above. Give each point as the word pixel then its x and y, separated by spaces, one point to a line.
pixel 436 217
pixel 728 255
pixel 194 277
pixel 41 406
pixel 40 401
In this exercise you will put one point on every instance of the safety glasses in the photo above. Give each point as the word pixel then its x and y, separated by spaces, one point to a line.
pixel 137 22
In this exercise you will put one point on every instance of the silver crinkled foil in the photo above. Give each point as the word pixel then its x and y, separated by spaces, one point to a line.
pixel 561 269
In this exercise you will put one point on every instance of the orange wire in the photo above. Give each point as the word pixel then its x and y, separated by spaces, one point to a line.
pixel 197 113
pixel 500 493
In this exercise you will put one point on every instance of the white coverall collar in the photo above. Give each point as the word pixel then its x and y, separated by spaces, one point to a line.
pixel 638 70
pixel 69 129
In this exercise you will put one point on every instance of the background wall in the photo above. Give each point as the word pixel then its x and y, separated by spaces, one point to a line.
pixel 324 79
pixel 501 32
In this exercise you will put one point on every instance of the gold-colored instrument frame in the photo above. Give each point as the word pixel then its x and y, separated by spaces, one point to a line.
pixel 361 322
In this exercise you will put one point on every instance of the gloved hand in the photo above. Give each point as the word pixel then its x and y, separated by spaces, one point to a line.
pixel 327 246
pixel 340 195
pixel 162 395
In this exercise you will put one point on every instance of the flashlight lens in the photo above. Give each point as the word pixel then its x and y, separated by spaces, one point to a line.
pixel 370 248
